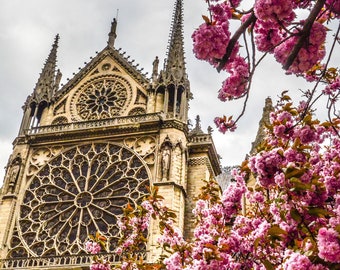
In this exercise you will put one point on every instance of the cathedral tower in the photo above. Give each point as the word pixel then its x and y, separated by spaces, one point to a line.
pixel 87 148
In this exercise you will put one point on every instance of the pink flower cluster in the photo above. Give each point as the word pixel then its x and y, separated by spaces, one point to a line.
pixel 333 88
pixel 210 41
pixel 334 6
pixel 174 238
pixel 136 225
pixel 312 52
pixel 267 36
pixel 329 245
pixel 92 247
pixel 266 165
pixel 297 261
pixel 100 266
pixel 232 196
pixel 225 125
pixel 235 85
pixel 274 10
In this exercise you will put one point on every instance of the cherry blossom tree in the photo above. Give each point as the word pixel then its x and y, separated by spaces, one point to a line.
pixel 282 211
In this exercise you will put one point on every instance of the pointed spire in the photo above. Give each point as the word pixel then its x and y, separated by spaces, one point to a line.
pixel 265 121
pixel 175 62
pixel 112 34
pixel 46 85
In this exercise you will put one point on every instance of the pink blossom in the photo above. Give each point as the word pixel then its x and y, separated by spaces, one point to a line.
pixel 235 85
pixel 267 35
pixel 210 42
pixel 221 12
pixel 309 55
pixel 174 262
pixel 296 261
pixel 225 125
pixel 273 10
pixel 100 266
pixel 266 165
pixel 333 88
pixel 147 206
pixel 92 247
pixel 334 6
pixel 329 245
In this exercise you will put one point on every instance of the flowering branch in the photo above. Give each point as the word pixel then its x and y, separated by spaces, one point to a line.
pixel 304 33
pixel 234 39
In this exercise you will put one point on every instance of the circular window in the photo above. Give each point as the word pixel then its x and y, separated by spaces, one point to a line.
pixel 79 192
pixel 101 98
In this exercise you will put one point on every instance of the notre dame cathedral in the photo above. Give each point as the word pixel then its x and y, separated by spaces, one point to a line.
pixel 87 148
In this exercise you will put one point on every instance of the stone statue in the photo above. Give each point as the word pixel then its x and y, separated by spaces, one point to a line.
pixel 166 157
pixel 155 67
pixel 13 175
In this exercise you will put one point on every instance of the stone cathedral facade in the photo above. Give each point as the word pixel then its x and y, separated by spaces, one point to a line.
pixel 87 148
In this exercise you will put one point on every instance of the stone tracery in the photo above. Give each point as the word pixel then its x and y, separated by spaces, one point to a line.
pixel 80 191
pixel 101 98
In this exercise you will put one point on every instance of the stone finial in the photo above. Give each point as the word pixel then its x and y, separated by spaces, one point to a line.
pixel 112 34
pixel 155 64
pixel 197 129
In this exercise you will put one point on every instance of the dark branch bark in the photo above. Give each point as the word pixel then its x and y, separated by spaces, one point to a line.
pixel 234 39
pixel 305 32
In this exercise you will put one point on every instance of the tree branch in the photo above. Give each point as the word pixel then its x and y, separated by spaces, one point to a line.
pixel 234 39
pixel 304 33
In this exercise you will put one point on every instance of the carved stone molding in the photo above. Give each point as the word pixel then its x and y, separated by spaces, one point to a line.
pixel 198 161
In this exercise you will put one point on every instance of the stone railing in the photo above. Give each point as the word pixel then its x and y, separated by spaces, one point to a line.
pixel 126 120
pixel 53 261
pixel 64 262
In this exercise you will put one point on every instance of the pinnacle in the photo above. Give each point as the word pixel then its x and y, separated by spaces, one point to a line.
pixel 175 62
pixel 45 86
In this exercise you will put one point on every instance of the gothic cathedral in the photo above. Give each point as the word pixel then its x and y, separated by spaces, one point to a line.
pixel 87 148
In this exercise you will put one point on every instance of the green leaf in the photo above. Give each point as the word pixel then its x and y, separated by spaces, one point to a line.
pixel 268 265
pixel 318 212
pixel 295 215
pixel 337 228
pixel 256 242
pixel 294 172
pixel 275 230
pixel 298 185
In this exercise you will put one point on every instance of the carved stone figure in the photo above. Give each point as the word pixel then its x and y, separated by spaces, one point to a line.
pixel 155 67
pixel 166 157
pixel 13 174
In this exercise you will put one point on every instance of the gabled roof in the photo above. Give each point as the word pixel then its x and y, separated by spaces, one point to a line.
pixel 118 57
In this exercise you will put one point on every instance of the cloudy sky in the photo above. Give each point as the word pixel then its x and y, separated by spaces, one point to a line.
pixel 28 28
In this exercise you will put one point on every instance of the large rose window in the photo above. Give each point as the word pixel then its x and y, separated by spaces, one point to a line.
pixel 102 99
pixel 79 192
